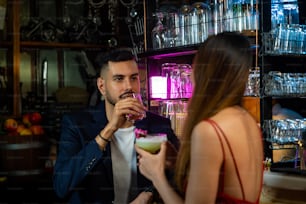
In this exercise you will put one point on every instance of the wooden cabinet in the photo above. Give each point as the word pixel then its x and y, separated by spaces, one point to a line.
pixel 11 45
pixel 252 104
pixel 28 36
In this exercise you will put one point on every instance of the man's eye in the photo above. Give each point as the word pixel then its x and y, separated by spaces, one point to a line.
pixel 118 79
pixel 135 78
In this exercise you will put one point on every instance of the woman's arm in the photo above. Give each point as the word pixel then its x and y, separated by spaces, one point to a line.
pixel 152 166
pixel 205 162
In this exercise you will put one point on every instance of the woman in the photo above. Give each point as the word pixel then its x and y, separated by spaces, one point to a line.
pixel 221 155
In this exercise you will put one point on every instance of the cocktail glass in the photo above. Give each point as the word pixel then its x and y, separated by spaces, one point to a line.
pixel 151 142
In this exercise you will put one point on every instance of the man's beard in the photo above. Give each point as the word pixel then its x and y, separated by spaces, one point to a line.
pixel 110 99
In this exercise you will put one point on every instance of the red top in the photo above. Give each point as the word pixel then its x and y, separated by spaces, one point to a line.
pixel 221 196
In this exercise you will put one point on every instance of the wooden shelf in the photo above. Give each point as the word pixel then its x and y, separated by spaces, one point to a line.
pixel 170 52
pixel 5 44
pixel 38 44
pixel 186 49
pixel 31 44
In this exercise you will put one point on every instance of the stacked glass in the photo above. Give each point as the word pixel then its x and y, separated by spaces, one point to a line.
pixel 192 24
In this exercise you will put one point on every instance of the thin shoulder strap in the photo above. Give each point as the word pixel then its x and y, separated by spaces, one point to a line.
pixel 217 129
pixel 223 153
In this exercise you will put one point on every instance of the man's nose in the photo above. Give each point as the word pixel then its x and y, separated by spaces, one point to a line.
pixel 128 84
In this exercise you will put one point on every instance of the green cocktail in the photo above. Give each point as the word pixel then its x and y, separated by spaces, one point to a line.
pixel 151 142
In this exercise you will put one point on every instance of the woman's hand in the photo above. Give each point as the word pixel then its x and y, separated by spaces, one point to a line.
pixel 153 167
pixel 150 165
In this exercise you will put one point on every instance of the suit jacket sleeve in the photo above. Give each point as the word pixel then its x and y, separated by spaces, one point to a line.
pixel 77 155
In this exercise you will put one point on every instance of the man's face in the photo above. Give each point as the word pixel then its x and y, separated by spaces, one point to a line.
pixel 119 79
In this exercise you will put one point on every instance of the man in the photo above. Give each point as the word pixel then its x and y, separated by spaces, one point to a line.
pixel 97 162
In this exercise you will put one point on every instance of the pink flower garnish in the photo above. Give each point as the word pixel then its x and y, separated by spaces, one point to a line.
pixel 140 133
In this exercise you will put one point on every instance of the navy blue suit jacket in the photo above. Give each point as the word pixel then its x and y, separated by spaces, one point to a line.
pixel 83 173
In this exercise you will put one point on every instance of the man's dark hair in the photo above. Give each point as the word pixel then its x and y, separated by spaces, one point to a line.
pixel 114 55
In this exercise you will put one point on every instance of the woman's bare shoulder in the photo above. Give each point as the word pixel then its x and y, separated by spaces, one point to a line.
pixel 205 134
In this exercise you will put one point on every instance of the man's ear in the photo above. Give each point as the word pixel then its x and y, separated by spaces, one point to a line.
pixel 101 85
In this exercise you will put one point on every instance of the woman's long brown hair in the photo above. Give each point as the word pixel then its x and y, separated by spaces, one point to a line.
pixel 220 72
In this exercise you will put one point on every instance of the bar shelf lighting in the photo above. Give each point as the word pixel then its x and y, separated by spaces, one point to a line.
pixel 158 87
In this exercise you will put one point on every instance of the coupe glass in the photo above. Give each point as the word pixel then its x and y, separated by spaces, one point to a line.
pixel 151 142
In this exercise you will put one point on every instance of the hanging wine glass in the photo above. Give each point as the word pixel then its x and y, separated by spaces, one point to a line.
pixel 159 32
pixel 67 22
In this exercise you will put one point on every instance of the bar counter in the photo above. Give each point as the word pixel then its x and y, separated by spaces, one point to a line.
pixel 281 187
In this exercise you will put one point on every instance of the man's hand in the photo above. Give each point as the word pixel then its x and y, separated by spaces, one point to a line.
pixel 124 107
pixel 143 198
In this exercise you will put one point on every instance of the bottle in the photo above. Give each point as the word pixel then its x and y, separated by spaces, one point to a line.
pixel 202 15
pixel 291 12
pixel 185 25
pixel 45 79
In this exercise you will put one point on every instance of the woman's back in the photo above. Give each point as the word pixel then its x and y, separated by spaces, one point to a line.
pixel 245 140
pixel 241 143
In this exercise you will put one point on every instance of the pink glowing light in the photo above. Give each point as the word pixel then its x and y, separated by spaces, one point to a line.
pixel 158 87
